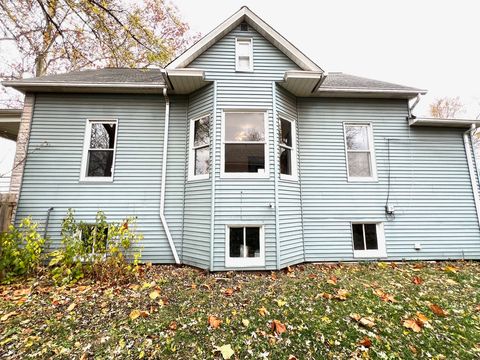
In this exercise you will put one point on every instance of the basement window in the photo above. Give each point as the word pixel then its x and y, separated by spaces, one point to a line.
pixel 244 54
pixel 368 240
pixel 94 240
pixel 99 150
pixel 199 157
pixel 360 152
pixel 288 157
pixel 245 246
pixel 245 144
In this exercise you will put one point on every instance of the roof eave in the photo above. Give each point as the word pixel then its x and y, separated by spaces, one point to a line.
pixel 369 93
pixel 437 122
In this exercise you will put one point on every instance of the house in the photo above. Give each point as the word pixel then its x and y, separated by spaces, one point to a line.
pixel 245 154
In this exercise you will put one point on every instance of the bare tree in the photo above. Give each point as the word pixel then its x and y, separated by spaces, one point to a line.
pixel 446 107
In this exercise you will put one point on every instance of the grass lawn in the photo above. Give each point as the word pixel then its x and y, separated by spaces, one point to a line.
pixel 376 310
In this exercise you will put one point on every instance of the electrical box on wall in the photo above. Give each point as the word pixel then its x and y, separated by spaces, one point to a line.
pixel 417 246
pixel 390 209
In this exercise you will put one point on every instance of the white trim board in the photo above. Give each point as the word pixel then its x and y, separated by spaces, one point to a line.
pixel 244 14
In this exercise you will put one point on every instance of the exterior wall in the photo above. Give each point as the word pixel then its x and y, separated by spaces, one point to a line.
pixel 289 196
pixel 243 200
pixel 430 184
pixel 197 215
pixel 51 177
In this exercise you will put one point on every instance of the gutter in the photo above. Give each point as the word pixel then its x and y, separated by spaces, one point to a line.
pixel 164 177
pixel 468 151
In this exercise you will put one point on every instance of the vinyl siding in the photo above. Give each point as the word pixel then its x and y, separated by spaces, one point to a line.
pixel 430 185
pixel 244 200
pixel 197 214
pixel 290 205
pixel 51 177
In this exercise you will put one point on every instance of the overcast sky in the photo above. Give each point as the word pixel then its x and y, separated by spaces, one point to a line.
pixel 433 45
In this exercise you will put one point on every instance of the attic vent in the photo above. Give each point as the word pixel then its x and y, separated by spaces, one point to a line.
pixel 243 26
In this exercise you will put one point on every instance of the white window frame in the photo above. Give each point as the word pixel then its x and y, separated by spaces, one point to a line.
pixel 192 148
pixel 371 146
pixel 86 148
pixel 245 175
pixel 244 262
pixel 381 252
pixel 293 148
pixel 237 62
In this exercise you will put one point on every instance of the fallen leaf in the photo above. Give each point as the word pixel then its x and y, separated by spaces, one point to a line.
pixel 134 314
pixel 437 310
pixel 451 282
pixel 226 351
pixel 154 294
pixel 280 303
pixel 71 307
pixel 289 269
pixel 273 276
pixel 412 348
pixel 413 324
pixel 382 265
pixel 450 268
pixel 214 322
pixel 417 280
pixel 245 322
pixel 366 342
pixel 173 325
pixel 422 318
pixel 384 296
pixel 477 308
pixel 278 327
pixel 312 276
pixel 228 292
pixel 263 311
pixel 8 315
pixel 332 280
pixel 341 294
pixel 326 296
pixel 367 322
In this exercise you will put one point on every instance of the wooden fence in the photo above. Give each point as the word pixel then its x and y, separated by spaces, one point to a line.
pixel 7 204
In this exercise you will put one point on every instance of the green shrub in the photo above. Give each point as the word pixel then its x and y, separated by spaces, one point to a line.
pixel 20 250
pixel 102 251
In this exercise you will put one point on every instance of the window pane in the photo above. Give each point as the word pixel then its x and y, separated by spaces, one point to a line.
pixel 236 242
pixel 244 63
pixel 359 164
pixel 252 241
pixel 100 163
pixel 243 48
pixel 371 236
pixel 202 160
pixel 244 158
pixel 102 136
pixel 286 132
pixel 244 127
pixel 202 132
pixel 285 161
pixel 358 237
pixel 357 137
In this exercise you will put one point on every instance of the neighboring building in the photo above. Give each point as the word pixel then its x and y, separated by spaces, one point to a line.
pixel 245 154
pixel 9 124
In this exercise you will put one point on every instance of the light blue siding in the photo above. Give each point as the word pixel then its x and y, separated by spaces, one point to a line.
pixel 430 185
pixel 51 177
pixel 244 200
pixel 197 215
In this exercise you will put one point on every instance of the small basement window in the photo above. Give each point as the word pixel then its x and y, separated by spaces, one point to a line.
pixel 368 240
pixel 360 153
pixel 244 145
pixel 94 240
pixel 99 150
pixel 245 246
pixel 288 157
pixel 199 159
pixel 244 54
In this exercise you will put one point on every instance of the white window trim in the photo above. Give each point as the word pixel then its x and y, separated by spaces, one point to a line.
pixel 86 147
pixel 371 145
pixel 244 262
pixel 293 148
pixel 237 65
pixel 191 155
pixel 245 175
pixel 381 252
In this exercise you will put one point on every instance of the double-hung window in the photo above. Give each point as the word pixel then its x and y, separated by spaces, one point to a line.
pixel 288 157
pixel 360 152
pixel 199 159
pixel 99 150
pixel 245 246
pixel 244 144
pixel 244 54
pixel 368 240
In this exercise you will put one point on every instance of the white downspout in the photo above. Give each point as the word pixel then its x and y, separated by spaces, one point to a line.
pixel 471 170
pixel 164 177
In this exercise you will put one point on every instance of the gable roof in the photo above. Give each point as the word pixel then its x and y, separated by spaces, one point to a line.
pixel 269 33
pixel 339 80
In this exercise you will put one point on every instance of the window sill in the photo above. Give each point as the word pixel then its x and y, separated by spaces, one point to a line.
pixel 290 178
pixel 244 176
pixel 244 262
pixel 369 254
pixel 198 178
pixel 94 180
pixel 244 71
pixel 362 180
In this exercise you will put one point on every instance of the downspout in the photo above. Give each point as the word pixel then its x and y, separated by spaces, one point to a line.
pixel 471 170
pixel 164 177
pixel 213 170
pixel 275 174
